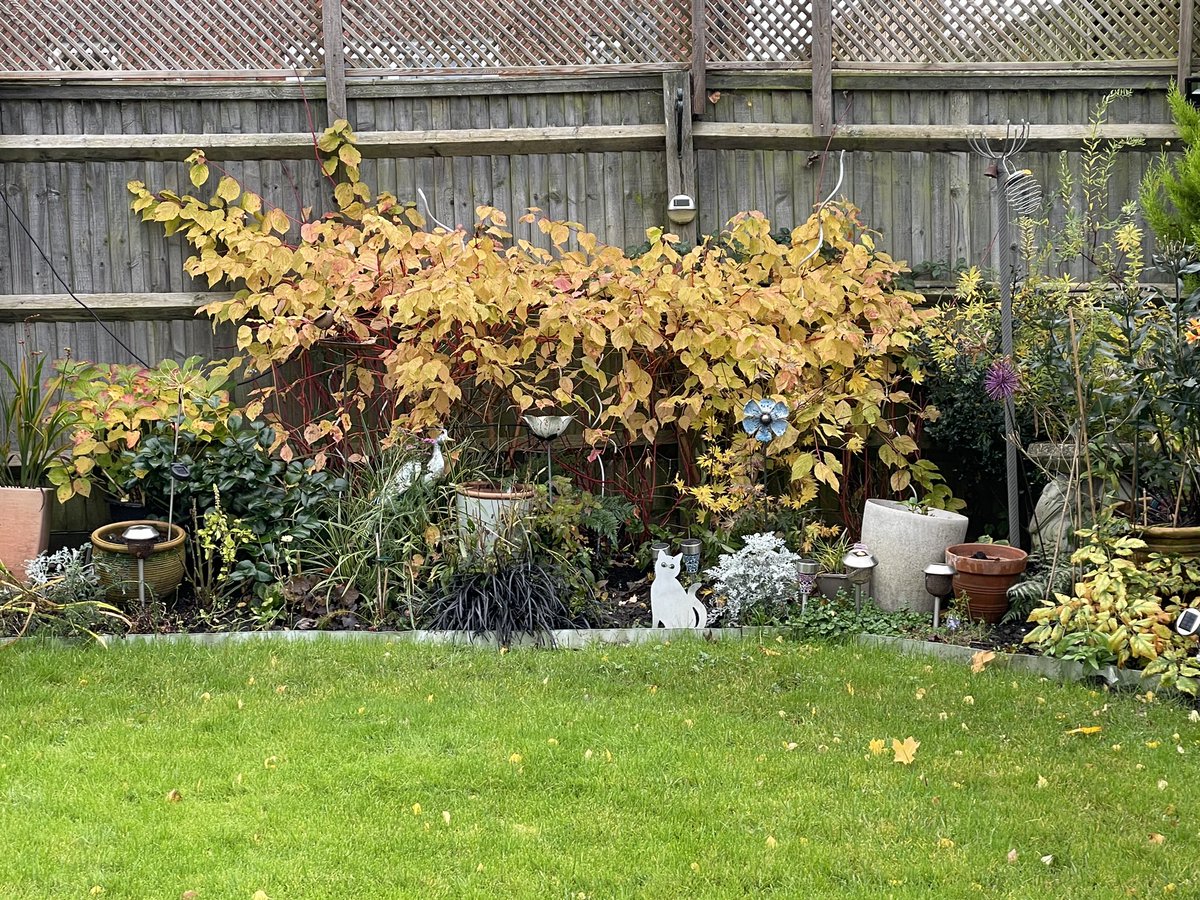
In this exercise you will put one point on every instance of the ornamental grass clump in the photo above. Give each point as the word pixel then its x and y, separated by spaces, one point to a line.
pixel 759 579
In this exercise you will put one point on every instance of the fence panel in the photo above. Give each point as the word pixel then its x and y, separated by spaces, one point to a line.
pixel 512 35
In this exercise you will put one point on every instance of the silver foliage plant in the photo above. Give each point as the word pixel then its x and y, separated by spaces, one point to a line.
pixel 762 575
pixel 65 576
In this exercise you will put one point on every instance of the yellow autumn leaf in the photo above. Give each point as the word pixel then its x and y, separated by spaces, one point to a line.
pixel 905 750
pixel 1087 729
pixel 980 660
pixel 1157 838
pixel 876 746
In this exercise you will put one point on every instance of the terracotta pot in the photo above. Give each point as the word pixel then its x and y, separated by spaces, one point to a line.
pixel 24 525
pixel 117 567
pixel 986 581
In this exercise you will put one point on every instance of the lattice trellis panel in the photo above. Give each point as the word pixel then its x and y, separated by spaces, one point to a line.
pixel 991 31
pixel 760 31
pixel 175 36
pixel 513 34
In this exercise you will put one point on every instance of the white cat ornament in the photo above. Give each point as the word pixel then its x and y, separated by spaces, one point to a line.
pixel 670 605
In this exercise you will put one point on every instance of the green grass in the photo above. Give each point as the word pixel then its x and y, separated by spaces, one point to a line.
pixel 686 770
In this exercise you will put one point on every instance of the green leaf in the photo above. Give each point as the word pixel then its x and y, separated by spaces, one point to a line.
pixel 198 174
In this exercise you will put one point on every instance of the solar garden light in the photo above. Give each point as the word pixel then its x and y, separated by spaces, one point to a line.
pixel 806 580
pixel 654 551
pixel 939 582
pixel 140 539
pixel 690 547
pixel 859 564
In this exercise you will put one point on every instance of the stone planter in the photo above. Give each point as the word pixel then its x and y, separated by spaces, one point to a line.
pixel 489 513
pixel 905 542
pixel 986 581
pixel 24 525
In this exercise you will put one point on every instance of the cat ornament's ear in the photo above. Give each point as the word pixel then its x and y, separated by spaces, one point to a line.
pixel 662 554
pixel 677 558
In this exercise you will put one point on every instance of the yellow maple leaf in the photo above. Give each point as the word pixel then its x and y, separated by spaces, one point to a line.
pixel 1087 729
pixel 876 746
pixel 1157 838
pixel 980 660
pixel 905 750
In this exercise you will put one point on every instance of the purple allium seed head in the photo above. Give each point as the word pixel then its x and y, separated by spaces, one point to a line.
pixel 1001 381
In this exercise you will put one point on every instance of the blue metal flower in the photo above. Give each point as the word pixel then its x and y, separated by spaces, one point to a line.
pixel 765 419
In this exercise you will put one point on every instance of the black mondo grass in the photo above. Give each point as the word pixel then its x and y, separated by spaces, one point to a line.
pixel 518 598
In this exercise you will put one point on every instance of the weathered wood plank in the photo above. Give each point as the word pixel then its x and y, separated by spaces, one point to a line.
pixel 63 308
pixel 424 142
pixel 333 42
pixel 926 138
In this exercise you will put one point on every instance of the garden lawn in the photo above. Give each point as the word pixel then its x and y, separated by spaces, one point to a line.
pixel 692 769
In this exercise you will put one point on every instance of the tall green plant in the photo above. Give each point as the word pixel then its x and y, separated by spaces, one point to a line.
pixel 1170 191
pixel 34 425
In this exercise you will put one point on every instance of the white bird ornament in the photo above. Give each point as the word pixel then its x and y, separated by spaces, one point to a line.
pixel 414 470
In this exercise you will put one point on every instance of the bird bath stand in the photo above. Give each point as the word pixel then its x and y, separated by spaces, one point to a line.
pixel 546 429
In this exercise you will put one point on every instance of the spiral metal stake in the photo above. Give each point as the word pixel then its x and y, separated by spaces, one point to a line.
pixel 1015 191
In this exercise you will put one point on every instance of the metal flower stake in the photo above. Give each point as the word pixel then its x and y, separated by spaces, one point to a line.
pixel 765 420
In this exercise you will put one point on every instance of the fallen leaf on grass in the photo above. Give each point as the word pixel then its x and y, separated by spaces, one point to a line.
pixel 446 816
pixel 771 842
pixel 1042 782
pixel 1087 729
pixel 173 796
pixel 849 689
pixel 260 895
pixel 1157 838
pixel 1048 859
pixel 1012 856
pixel 945 844
pixel 980 660
pixel 876 746
pixel 1162 784
pixel 767 651
pixel 905 750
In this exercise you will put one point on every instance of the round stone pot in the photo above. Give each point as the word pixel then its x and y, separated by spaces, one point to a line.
pixel 489 513
pixel 986 581
pixel 905 542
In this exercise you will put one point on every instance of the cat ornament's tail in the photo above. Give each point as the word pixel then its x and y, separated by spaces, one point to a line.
pixel 698 608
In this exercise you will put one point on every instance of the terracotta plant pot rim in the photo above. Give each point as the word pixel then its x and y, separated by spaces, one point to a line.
pixel 101 543
pixel 483 490
pixel 1003 560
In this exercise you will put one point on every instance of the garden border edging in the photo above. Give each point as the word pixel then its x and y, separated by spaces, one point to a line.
pixel 1046 666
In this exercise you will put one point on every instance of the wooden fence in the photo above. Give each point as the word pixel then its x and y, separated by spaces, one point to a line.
pixel 95 95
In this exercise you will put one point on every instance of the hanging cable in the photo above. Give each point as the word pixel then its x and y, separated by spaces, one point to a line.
pixel 36 246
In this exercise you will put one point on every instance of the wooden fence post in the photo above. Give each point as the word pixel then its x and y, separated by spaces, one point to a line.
pixel 681 156
pixel 822 66
pixel 334 42
pixel 1187 12
pixel 699 49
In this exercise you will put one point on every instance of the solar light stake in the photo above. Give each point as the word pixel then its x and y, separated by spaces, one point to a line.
pixel 806 580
